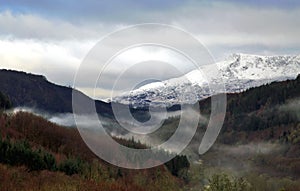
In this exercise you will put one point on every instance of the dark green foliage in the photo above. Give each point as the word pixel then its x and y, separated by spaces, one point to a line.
pixel 50 161
pixel 72 166
pixel 20 153
pixel 4 102
pixel 266 95
pixel 258 108
pixel 177 164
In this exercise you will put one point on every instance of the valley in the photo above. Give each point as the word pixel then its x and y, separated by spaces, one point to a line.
pixel 258 147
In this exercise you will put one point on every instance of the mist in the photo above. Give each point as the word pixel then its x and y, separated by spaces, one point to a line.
pixel 113 128
pixel 292 107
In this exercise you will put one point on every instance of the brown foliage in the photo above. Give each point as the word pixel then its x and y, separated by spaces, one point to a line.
pixel 63 143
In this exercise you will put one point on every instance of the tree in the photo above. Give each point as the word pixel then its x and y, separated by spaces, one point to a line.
pixel 5 103
pixel 71 166
pixel 178 164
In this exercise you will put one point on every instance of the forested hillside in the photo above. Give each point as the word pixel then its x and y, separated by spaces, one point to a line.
pixel 36 154
pixel 271 106
pixel 259 145
pixel 31 149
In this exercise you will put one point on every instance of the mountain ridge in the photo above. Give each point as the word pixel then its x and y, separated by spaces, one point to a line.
pixel 35 91
pixel 238 72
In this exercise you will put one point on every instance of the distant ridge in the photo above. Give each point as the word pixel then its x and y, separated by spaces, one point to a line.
pixel 35 91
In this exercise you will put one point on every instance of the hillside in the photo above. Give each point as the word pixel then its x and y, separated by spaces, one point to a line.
pixel 259 141
pixel 260 108
pixel 260 137
pixel 37 154
pixel 34 91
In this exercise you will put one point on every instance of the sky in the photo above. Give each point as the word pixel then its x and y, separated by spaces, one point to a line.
pixel 54 37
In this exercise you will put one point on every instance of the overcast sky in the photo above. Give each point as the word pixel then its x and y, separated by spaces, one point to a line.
pixel 53 37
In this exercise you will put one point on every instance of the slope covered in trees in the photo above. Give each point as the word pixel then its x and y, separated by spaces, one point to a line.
pixel 265 107
pixel 32 147
pixel 259 140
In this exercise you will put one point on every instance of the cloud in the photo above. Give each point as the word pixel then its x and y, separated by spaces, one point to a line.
pixel 31 26
pixel 227 22
pixel 52 37
pixel 105 10
pixel 215 24
pixel 130 68
pixel 58 61
pixel 243 24
pixel 125 11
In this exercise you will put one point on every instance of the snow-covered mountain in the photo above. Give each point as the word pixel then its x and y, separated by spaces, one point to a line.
pixel 238 72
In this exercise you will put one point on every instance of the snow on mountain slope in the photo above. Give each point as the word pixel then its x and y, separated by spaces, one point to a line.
pixel 238 72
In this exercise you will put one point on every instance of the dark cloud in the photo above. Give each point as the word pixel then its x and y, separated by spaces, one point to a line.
pixel 128 11
pixel 104 11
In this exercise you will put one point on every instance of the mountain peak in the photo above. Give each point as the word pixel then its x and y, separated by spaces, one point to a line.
pixel 244 56
pixel 247 66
